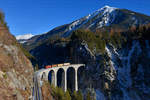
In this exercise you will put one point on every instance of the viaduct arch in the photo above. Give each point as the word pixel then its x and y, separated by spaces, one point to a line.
pixel 60 76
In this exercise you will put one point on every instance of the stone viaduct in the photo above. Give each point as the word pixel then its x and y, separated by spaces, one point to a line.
pixel 61 72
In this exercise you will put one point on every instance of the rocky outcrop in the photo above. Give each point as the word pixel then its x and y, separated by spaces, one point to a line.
pixel 15 69
pixel 46 91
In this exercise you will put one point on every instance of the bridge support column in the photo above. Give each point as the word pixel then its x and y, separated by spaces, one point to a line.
pixel 55 80
pixel 65 87
pixel 76 79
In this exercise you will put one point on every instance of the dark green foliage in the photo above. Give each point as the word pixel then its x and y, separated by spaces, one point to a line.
pixel 117 38
pixel 67 95
pixel 83 35
pixel 27 54
pixel 79 96
pixel 88 97
pixel 59 94
pixel 98 39
pixel 74 96
pixel 2 19
pixel 138 33
pixel 30 57
pixel 93 41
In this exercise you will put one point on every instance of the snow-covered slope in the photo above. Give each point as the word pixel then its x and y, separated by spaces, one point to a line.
pixel 24 37
pixel 102 17
pixel 105 18
pixel 132 71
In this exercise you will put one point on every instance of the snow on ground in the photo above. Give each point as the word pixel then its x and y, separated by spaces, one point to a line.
pixel 124 76
pixel 22 42
pixel 108 16
pixel 22 37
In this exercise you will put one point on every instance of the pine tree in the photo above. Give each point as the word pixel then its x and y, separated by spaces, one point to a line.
pixel 88 97
pixel 1 17
pixel 60 94
pixel 74 96
pixel 79 96
pixel 67 95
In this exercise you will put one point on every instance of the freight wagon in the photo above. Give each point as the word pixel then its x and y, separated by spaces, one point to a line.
pixel 57 65
pixel 48 66
pixel 66 64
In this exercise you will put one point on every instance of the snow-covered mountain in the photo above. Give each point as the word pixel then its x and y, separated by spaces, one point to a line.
pixel 23 38
pixel 105 18
pixel 102 17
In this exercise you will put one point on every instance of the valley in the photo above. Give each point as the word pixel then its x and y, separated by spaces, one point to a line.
pixel 102 56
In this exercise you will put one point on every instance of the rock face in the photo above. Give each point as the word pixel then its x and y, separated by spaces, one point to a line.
pixel 15 69
pixel 131 65
pixel 46 91
pixel 125 76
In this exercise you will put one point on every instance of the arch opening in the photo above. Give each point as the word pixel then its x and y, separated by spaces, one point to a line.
pixel 43 76
pixel 61 78
pixel 71 79
pixel 51 77
pixel 81 75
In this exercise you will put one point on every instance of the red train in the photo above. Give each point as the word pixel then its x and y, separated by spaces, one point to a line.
pixel 57 65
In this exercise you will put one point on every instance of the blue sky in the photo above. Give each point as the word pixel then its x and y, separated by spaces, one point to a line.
pixel 39 16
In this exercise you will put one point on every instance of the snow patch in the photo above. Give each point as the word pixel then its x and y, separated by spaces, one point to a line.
pixel 110 54
pixel 108 16
pixel 86 47
pixel 22 42
pixel 24 37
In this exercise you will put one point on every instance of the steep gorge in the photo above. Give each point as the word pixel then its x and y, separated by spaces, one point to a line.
pixel 117 62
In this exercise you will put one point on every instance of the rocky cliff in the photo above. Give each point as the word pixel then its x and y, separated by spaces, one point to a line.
pixel 15 69
pixel 121 72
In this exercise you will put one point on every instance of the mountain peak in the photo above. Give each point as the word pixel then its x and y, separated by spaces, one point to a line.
pixel 107 8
